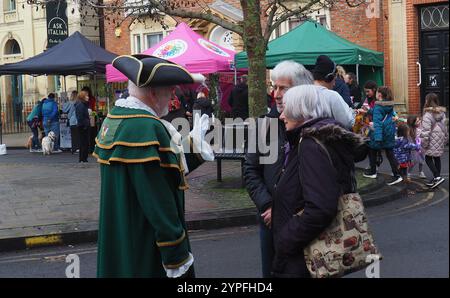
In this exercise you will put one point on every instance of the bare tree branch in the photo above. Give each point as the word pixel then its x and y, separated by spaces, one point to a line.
pixel 286 16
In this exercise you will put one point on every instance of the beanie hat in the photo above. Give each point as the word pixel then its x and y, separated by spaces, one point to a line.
pixel 323 69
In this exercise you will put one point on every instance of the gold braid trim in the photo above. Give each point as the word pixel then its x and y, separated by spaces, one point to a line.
pixel 172 243
pixel 128 144
pixel 137 160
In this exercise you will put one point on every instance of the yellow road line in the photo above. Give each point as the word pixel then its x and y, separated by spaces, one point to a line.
pixel 43 240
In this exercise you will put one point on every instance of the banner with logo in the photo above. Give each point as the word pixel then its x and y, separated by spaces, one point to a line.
pixel 57 25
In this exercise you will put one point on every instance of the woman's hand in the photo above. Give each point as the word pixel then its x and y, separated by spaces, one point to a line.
pixel 267 217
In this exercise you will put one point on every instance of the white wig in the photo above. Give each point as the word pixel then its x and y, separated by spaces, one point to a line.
pixel 304 103
pixel 294 71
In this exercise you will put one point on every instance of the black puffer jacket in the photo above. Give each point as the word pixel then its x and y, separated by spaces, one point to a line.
pixel 261 178
pixel 310 183
pixel 238 101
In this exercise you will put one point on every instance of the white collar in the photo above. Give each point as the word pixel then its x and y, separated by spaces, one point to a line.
pixel 132 102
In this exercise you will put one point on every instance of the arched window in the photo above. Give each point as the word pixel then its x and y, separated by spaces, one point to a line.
pixel 12 47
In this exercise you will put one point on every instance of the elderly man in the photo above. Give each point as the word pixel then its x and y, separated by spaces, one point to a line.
pixel 260 178
pixel 142 229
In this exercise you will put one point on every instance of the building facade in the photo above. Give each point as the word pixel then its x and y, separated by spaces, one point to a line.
pixel 23 34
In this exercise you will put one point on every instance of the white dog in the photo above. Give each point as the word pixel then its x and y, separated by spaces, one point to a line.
pixel 48 142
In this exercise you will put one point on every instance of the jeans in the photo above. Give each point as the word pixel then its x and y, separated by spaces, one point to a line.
pixel 434 163
pixel 53 126
pixel 35 142
pixel 390 156
pixel 267 250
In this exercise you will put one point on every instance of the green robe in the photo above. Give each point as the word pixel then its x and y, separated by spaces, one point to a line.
pixel 141 225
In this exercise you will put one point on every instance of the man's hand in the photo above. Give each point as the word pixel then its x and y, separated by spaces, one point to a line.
pixel 267 217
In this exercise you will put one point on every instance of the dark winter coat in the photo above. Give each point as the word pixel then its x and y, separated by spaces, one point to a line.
pixel 238 101
pixel 310 183
pixel 82 113
pixel 204 105
pixel 260 179
pixel 355 91
pixel 382 135
pixel 402 149
pixel 342 88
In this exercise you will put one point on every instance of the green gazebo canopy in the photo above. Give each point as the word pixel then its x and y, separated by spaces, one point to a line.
pixel 309 40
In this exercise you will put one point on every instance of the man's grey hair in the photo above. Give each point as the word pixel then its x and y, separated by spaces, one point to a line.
pixel 138 92
pixel 304 103
pixel 294 71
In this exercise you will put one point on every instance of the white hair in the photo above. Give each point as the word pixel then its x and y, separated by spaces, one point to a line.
pixel 304 103
pixel 294 71
pixel 138 92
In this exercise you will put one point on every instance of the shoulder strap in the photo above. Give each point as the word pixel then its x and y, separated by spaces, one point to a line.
pixel 318 143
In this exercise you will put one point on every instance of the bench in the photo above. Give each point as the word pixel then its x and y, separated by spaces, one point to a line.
pixel 230 150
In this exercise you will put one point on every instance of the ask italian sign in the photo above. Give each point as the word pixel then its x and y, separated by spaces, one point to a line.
pixel 57 25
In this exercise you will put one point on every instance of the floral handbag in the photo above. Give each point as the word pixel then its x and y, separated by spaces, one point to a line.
pixel 346 245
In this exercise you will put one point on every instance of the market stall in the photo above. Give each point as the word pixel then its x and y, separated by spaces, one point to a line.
pixel 197 54
pixel 309 40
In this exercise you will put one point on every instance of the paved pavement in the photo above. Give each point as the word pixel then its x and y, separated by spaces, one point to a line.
pixel 55 195
pixel 42 195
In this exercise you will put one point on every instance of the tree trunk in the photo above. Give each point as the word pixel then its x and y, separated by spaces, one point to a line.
pixel 255 46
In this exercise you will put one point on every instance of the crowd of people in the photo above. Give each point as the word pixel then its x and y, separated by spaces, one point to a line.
pixel 45 117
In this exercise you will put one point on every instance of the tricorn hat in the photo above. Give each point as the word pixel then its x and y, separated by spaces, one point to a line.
pixel 145 70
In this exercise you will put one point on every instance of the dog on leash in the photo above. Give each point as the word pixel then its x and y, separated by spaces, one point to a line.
pixel 48 142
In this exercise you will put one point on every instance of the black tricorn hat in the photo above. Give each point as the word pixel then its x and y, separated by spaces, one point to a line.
pixel 145 70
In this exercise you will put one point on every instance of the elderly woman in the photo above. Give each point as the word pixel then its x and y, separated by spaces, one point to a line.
pixel 306 195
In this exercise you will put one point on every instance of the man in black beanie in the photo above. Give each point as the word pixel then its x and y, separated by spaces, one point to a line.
pixel 324 74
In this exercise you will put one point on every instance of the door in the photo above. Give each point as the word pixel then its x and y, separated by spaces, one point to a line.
pixel 434 54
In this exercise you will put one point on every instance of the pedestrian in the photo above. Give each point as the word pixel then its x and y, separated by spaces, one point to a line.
pixel 382 135
pixel 203 105
pixel 355 90
pixel 69 109
pixel 83 124
pixel 50 114
pixel 434 136
pixel 92 100
pixel 34 120
pixel 260 178
pixel 341 87
pixel 418 156
pixel 238 99
pixel 324 73
pixel 318 168
pixel 403 150
pixel 370 89
pixel 142 228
